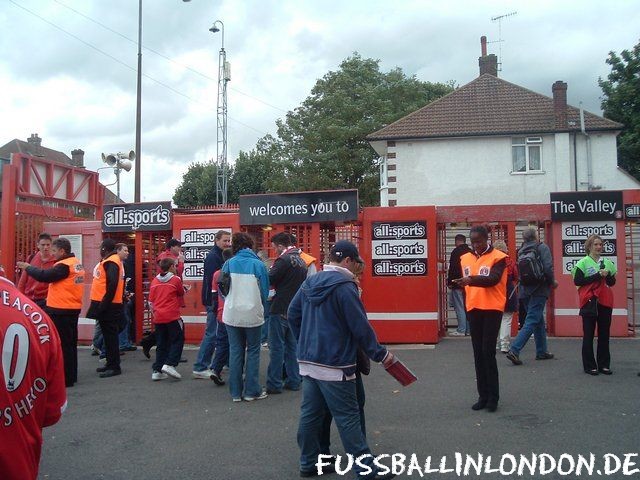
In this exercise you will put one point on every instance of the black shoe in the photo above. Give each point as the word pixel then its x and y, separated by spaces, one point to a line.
pixel 286 387
pixel 183 360
pixel 545 356
pixel 479 405
pixel 514 358
pixel 606 371
pixel 327 469
pixel 386 476
pixel 492 406
pixel 273 391
pixel 146 347
pixel 217 379
pixel 593 372
pixel 130 348
pixel 101 369
pixel 110 373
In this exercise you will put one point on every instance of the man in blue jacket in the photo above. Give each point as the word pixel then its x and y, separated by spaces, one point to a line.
pixel 212 263
pixel 329 321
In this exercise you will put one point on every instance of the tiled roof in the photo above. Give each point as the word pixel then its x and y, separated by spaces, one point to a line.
pixel 20 146
pixel 488 106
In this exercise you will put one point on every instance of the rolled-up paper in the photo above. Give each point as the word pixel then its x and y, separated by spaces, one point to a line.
pixel 400 372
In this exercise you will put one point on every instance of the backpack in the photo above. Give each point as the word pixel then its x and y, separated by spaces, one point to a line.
pixel 530 269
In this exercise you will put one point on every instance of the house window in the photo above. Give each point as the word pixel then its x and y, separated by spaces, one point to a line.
pixel 526 153
pixel 384 179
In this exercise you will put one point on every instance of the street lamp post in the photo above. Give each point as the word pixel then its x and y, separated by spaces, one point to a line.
pixel 136 197
pixel 224 76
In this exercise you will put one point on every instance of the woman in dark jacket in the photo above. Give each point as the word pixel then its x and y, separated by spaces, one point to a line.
pixel 594 276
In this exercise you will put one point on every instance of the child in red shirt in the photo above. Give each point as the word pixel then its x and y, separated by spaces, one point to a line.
pixel 166 297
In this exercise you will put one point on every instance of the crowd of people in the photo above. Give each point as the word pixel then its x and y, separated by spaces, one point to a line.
pixel 319 338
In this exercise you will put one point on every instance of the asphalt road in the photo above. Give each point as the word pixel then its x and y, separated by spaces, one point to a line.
pixel 128 427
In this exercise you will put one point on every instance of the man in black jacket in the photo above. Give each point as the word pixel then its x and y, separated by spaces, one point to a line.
pixel 107 292
pixel 286 275
pixel 457 292
pixel 212 263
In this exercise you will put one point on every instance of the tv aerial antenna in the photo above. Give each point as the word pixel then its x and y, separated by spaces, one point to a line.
pixel 499 19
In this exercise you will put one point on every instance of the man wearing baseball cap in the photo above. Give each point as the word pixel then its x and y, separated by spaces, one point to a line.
pixel 173 249
pixel 328 319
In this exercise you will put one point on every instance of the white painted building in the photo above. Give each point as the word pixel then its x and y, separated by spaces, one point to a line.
pixel 493 142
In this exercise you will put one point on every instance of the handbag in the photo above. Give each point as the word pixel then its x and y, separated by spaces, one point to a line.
pixel 590 309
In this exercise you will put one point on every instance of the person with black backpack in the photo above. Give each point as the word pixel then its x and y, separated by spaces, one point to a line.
pixel 536 279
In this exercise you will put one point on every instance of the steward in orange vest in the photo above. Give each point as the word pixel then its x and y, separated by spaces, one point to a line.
pixel 485 281
pixel 64 300
pixel 106 304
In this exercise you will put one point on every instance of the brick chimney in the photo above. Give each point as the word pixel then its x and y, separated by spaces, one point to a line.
pixel 559 90
pixel 77 158
pixel 488 63
pixel 34 139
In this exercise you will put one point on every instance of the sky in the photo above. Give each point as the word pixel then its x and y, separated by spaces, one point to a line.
pixel 68 67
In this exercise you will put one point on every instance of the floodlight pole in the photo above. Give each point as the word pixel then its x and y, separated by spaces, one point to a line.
pixel 224 76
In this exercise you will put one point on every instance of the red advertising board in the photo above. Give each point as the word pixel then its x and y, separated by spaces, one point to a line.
pixel 400 283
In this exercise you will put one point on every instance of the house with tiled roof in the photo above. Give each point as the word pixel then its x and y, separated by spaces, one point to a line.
pixel 494 142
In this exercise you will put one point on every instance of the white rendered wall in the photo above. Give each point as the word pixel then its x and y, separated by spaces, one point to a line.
pixel 478 171
pixel 470 171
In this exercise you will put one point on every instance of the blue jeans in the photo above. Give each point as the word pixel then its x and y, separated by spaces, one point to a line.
pixel 282 349
pixel 341 400
pixel 208 343
pixel 457 300
pixel 533 324
pixel 264 333
pixel 240 339
pixel 221 357
pixel 98 340
pixel 123 337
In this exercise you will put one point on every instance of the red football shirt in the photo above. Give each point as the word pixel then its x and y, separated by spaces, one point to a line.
pixel 32 392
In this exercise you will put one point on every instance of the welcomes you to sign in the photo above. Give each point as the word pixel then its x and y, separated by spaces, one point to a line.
pixel 197 242
pixel 399 248
pixel 574 235
pixel 302 207
pixel 603 205
pixel 128 217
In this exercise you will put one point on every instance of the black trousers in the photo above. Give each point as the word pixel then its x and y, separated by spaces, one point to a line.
pixel 485 326
pixel 67 326
pixel 170 337
pixel 110 321
pixel 603 357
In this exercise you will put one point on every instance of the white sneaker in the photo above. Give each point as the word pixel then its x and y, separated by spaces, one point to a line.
pixel 204 374
pixel 456 333
pixel 171 371
pixel 259 397
pixel 155 376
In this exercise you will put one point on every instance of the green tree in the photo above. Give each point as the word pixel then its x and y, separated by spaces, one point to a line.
pixel 322 143
pixel 621 102
pixel 252 170
pixel 198 185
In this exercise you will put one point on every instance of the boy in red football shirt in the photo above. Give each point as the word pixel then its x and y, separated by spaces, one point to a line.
pixel 166 297
pixel 32 391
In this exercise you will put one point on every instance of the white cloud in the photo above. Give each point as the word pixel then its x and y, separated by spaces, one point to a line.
pixel 60 85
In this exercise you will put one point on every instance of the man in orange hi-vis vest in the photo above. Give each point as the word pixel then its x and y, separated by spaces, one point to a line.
pixel 106 306
pixel 484 278
pixel 64 300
